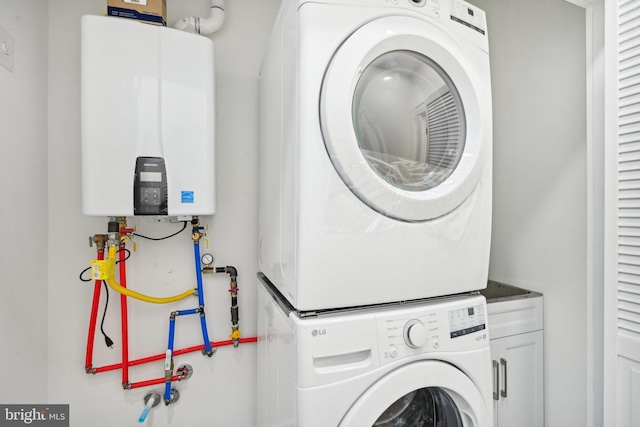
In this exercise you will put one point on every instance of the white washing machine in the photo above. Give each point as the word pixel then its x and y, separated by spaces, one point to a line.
pixel 376 134
pixel 413 364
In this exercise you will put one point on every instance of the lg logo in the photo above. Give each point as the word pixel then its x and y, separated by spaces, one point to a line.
pixel 316 332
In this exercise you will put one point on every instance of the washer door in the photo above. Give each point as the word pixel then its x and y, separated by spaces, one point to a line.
pixel 424 394
pixel 402 120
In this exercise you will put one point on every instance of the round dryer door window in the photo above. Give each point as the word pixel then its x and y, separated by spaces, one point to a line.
pixel 421 394
pixel 409 120
pixel 405 115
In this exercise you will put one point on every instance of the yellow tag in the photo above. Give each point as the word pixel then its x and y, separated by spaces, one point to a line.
pixel 235 335
pixel 102 269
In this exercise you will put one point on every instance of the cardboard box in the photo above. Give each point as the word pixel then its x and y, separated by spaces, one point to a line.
pixel 149 11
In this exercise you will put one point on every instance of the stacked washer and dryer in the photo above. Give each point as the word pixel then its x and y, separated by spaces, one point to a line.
pixel 375 215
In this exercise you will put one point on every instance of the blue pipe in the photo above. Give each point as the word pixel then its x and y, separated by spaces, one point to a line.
pixel 203 319
pixel 186 312
pixel 150 402
pixel 168 363
pixel 196 253
pixel 205 334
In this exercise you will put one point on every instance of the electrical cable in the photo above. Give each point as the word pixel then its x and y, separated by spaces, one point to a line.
pixel 184 226
pixel 84 271
pixel 108 341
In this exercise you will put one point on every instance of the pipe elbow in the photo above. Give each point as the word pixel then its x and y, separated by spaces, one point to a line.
pixel 230 270
pixel 206 26
pixel 213 23
pixel 186 24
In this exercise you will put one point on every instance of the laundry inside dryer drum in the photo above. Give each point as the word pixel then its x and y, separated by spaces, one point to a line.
pixel 427 407
pixel 409 120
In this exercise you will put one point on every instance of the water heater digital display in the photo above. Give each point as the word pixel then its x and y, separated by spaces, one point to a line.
pixel 147 118
pixel 150 187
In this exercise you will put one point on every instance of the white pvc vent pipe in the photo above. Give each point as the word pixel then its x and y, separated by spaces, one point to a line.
pixel 206 26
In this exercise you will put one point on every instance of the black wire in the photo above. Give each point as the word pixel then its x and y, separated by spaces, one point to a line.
pixel 184 225
pixel 125 258
pixel 84 271
pixel 108 341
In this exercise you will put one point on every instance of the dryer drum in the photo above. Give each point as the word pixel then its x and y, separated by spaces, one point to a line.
pixel 427 407
pixel 409 120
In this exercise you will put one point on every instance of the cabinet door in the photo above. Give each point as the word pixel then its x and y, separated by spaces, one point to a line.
pixel 520 380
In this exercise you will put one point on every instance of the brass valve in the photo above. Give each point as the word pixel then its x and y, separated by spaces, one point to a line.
pixel 99 239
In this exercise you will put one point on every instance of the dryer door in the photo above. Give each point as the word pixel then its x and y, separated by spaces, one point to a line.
pixel 406 117
pixel 425 394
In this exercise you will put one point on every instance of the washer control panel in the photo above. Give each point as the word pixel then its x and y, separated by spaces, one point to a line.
pixel 466 320
pixel 458 325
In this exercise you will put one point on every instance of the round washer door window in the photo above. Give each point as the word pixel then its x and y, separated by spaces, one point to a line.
pixel 427 407
pixel 406 118
pixel 421 394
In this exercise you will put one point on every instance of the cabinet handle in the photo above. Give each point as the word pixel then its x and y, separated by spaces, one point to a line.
pixel 503 362
pixel 496 370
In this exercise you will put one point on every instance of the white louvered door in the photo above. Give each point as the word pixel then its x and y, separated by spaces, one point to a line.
pixel 622 366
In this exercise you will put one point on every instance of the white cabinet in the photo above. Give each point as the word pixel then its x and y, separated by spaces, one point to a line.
pixel 516 332
pixel 517 370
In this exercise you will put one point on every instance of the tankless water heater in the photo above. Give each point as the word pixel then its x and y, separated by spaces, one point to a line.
pixel 147 120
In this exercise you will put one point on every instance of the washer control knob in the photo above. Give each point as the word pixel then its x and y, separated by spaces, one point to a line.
pixel 415 333
pixel 435 343
pixel 393 352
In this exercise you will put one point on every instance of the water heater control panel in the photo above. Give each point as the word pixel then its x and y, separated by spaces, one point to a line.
pixel 150 187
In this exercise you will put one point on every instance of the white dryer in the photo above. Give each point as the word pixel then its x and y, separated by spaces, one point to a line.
pixel 413 364
pixel 376 134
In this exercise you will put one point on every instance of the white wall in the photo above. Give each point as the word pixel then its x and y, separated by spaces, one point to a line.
pixel 23 215
pixel 539 237
pixel 221 391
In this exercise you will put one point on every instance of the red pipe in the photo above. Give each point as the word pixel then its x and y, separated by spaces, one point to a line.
pixel 124 317
pixel 153 382
pixel 175 353
pixel 97 287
